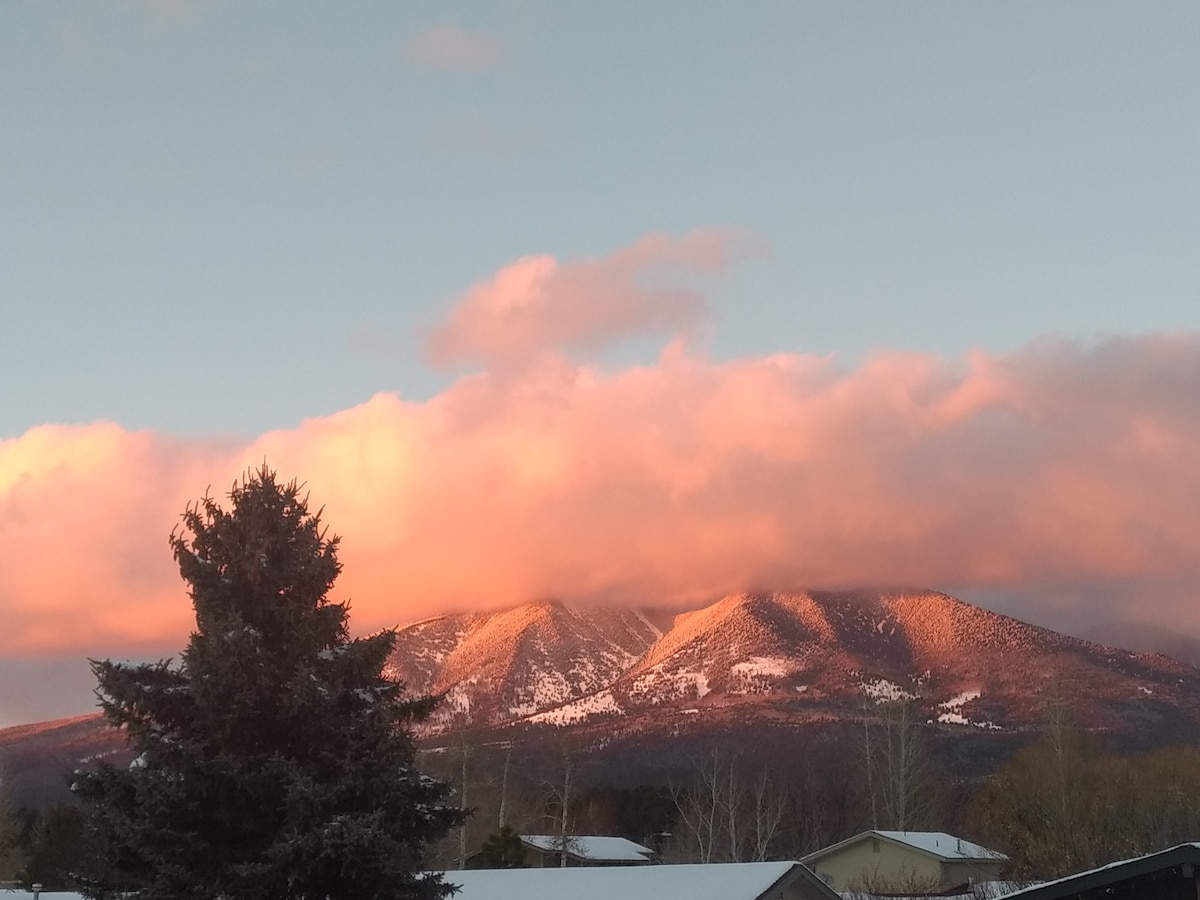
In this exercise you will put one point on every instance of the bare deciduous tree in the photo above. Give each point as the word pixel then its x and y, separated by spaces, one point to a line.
pixel 1066 803
pixel 560 782
pixel 729 813
pixel 900 768
pixel 767 805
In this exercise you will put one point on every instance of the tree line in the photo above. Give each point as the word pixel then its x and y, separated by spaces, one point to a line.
pixel 1064 801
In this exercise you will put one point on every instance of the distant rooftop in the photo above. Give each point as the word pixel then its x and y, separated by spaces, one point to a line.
pixel 596 848
pixel 941 844
pixel 714 881
pixel 936 843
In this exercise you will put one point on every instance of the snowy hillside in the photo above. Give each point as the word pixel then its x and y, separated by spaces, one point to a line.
pixel 805 656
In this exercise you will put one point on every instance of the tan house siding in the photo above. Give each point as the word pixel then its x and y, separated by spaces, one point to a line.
pixel 970 871
pixel 875 863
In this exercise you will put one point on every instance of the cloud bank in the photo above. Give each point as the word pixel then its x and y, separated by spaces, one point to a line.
pixel 1059 464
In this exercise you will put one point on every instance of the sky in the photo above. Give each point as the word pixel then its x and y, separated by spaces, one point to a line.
pixel 621 302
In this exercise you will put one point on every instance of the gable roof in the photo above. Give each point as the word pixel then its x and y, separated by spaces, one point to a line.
pixel 712 881
pixel 595 847
pixel 1113 873
pixel 938 844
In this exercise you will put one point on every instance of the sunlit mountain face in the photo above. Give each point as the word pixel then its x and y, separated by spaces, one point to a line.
pixel 506 666
pixel 809 656
pixel 748 664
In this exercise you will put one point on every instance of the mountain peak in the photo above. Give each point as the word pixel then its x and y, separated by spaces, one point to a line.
pixel 749 660
pixel 808 656
pixel 501 666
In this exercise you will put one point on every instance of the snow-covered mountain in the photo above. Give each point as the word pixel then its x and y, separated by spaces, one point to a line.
pixel 499 667
pixel 802 657
pixel 37 757
pixel 748 661
pixel 1146 637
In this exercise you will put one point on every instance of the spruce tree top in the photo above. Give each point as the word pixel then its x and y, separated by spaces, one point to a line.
pixel 275 761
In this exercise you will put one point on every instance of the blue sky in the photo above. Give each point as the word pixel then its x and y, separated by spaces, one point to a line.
pixel 226 217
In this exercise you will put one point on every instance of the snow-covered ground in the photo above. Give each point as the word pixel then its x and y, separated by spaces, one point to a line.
pixel 881 690
pixel 952 714
pixel 579 710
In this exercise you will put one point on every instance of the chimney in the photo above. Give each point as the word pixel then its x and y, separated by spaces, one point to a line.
pixel 37 889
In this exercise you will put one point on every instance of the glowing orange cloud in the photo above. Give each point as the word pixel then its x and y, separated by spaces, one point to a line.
pixel 664 483
pixel 536 305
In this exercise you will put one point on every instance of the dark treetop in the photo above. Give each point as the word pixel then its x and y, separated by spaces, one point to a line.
pixel 275 761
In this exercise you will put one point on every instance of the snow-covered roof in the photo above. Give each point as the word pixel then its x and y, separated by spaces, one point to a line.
pixel 936 843
pixel 597 848
pixel 42 895
pixel 714 881
pixel 941 844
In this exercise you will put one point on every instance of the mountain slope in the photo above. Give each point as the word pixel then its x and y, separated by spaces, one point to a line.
pixel 1147 638
pixel 40 757
pixel 498 667
pixel 748 660
pixel 822 655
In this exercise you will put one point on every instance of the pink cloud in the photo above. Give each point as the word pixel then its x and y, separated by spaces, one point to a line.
pixel 451 47
pixel 669 483
pixel 538 305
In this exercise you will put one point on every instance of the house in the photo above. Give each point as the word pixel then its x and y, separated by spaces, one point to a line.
pixel 980 890
pixel 714 881
pixel 545 850
pixel 905 861
pixel 1172 874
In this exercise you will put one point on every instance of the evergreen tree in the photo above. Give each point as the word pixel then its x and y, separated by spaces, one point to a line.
pixel 502 850
pixel 11 830
pixel 58 848
pixel 275 761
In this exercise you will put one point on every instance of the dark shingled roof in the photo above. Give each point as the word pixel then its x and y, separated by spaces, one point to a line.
pixel 1164 875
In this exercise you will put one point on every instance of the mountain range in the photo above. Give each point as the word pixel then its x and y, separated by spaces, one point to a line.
pixel 804 657
pixel 792 660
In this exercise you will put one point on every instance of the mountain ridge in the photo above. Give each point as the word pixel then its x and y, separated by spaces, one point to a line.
pixel 810 655
pixel 790 660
